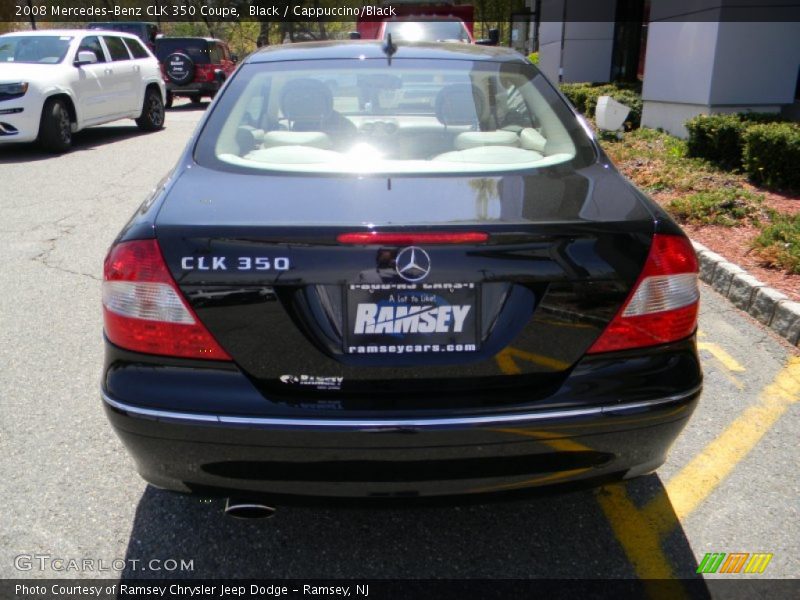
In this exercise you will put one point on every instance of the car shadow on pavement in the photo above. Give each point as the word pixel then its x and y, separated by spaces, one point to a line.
pixel 564 535
pixel 88 139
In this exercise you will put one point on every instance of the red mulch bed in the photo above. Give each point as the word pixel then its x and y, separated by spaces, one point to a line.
pixel 781 202
pixel 735 243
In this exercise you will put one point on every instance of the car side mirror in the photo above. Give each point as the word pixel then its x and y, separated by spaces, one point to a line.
pixel 219 76
pixel 354 35
pixel 235 58
pixel 85 58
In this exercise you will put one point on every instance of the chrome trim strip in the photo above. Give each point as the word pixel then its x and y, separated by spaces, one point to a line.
pixel 190 418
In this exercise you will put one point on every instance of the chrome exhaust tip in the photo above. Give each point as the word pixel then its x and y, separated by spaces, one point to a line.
pixel 248 509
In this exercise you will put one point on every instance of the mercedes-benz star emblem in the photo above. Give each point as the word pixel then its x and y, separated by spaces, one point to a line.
pixel 413 264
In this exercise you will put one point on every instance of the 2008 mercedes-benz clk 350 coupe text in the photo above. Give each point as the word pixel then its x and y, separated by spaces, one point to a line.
pixel 388 270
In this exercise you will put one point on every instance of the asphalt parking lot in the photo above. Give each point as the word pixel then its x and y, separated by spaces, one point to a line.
pixel 731 483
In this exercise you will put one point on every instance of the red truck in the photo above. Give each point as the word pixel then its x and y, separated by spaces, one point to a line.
pixel 444 11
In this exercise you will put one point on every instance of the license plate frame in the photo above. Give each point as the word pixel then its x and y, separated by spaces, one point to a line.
pixel 373 325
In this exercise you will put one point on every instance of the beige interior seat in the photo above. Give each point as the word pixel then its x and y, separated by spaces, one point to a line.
pixel 489 155
pixel 293 155
pixel 310 139
pixel 478 139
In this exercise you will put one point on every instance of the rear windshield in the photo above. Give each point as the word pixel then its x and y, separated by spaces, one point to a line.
pixel 426 31
pixel 197 50
pixel 410 116
pixel 41 49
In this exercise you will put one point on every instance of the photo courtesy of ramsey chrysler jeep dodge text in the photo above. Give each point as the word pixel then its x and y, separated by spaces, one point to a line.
pixel 385 270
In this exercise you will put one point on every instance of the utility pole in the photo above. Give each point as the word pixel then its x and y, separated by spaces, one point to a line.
pixel 33 19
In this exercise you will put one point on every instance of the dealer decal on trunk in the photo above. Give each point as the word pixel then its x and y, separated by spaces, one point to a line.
pixel 316 381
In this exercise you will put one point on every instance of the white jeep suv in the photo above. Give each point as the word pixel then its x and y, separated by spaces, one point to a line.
pixel 56 82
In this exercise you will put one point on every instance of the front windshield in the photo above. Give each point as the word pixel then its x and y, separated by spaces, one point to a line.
pixel 38 49
pixel 413 116
pixel 426 31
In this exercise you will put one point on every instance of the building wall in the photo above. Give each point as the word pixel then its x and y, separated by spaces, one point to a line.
pixel 711 64
pixel 587 49
pixel 587 44
pixel 707 66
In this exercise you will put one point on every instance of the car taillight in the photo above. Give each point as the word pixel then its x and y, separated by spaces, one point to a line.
pixel 204 73
pixel 662 307
pixel 143 310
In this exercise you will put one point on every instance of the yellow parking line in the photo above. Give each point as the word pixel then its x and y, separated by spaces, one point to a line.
pixel 638 538
pixel 555 442
pixel 549 478
pixel 722 356
pixel 566 324
pixel 640 531
pixel 698 479
pixel 641 543
pixel 505 360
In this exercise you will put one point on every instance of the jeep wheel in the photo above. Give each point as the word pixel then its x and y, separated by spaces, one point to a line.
pixel 55 127
pixel 196 98
pixel 170 98
pixel 152 117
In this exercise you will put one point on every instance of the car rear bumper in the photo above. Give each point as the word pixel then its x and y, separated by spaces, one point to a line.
pixel 284 457
pixel 205 87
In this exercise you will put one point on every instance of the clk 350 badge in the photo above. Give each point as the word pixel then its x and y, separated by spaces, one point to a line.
pixel 240 263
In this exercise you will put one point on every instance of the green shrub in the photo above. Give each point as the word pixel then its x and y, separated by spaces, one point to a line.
pixel 576 93
pixel 534 57
pixel 717 138
pixel 779 242
pixel 772 155
pixel 727 206
pixel 720 138
pixel 585 95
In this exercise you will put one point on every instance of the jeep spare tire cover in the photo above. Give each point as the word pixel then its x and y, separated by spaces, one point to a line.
pixel 179 68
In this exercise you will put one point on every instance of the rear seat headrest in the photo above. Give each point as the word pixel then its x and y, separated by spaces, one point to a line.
pixel 530 139
pixel 460 104
pixel 306 101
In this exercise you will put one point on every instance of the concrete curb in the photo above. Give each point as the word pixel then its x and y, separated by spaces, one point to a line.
pixel 763 303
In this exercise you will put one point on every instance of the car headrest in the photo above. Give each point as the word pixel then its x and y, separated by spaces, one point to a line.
pixel 460 104
pixel 306 101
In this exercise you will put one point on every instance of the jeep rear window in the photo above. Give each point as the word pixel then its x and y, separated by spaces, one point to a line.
pixel 197 50
pixel 412 116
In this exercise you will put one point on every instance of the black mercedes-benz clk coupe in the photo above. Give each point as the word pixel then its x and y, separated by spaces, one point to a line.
pixel 384 270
